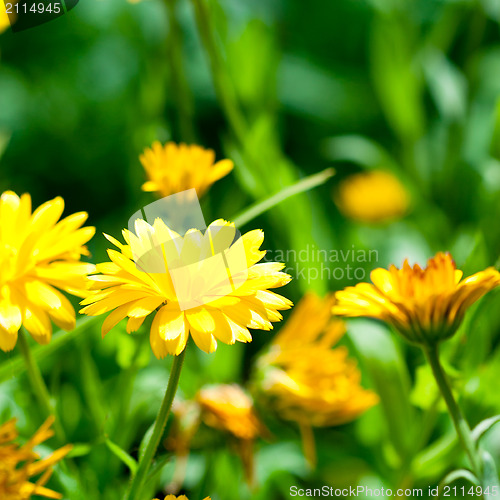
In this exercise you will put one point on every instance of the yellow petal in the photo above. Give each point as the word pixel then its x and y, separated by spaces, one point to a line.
pixel 205 341
pixel 7 340
pixel 37 322
pixel 10 316
pixel 201 319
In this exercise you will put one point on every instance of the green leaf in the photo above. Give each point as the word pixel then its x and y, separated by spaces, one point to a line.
pixel 80 450
pixel 359 150
pixel 446 83
pixel 483 427
pixel 489 481
pixel 157 466
pixel 396 76
pixel 4 141
pixel 459 474
pixel 389 374
pixel 122 455
pixel 301 186
pixel 434 461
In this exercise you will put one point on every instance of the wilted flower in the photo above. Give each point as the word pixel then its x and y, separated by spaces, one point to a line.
pixel 38 254
pixel 230 409
pixel 425 305
pixel 173 168
pixel 372 197
pixel 305 380
pixel 19 464
pixel 186 419
pixel 185 423
pixel 196 291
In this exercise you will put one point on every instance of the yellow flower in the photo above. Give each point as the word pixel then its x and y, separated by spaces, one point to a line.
pixel 38 254
pixel 372 197
pixel 229 408
pixel 196 291
pixel 182 497
pixel 424 305
pixel 4 17
pixel 173 168
pixel 18 464
pixel 303 378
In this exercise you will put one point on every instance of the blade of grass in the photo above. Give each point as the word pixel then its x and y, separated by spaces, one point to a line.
pixel 122 455
pixel 299 187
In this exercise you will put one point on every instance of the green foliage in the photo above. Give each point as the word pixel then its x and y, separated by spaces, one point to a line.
pixel 287 90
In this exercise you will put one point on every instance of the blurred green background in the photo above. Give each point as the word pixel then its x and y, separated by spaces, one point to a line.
pixel 405 85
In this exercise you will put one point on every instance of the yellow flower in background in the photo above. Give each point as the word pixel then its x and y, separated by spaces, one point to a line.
pixel 38 255
pixel 374 196
pixel 230 409
pixel 173 168
pixel 20 464
pixel 303 378
pixel 219 306
pixel 424 305
pixel 306 381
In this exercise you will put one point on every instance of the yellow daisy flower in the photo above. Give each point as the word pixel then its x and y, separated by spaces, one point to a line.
pixel 184 279
pixel 424 305
pixel 19 464
pixel 38 254
pixel 230 409
pixel 374 196
pixel 178 167
pixel 303 378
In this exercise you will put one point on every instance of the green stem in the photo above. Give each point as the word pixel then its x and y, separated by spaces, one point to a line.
pixel 461 425
pixel 180 86
pixel 139 479
pixel 223 85
pixel 260 207
pixel 38 384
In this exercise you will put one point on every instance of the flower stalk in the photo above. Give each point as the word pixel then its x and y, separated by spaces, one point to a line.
pixel 38 385
pixel 459 421
pixel 139 479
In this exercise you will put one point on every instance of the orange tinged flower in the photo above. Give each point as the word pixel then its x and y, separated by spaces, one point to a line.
pixel 425 305
pixel 20 464
pixel 230 409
